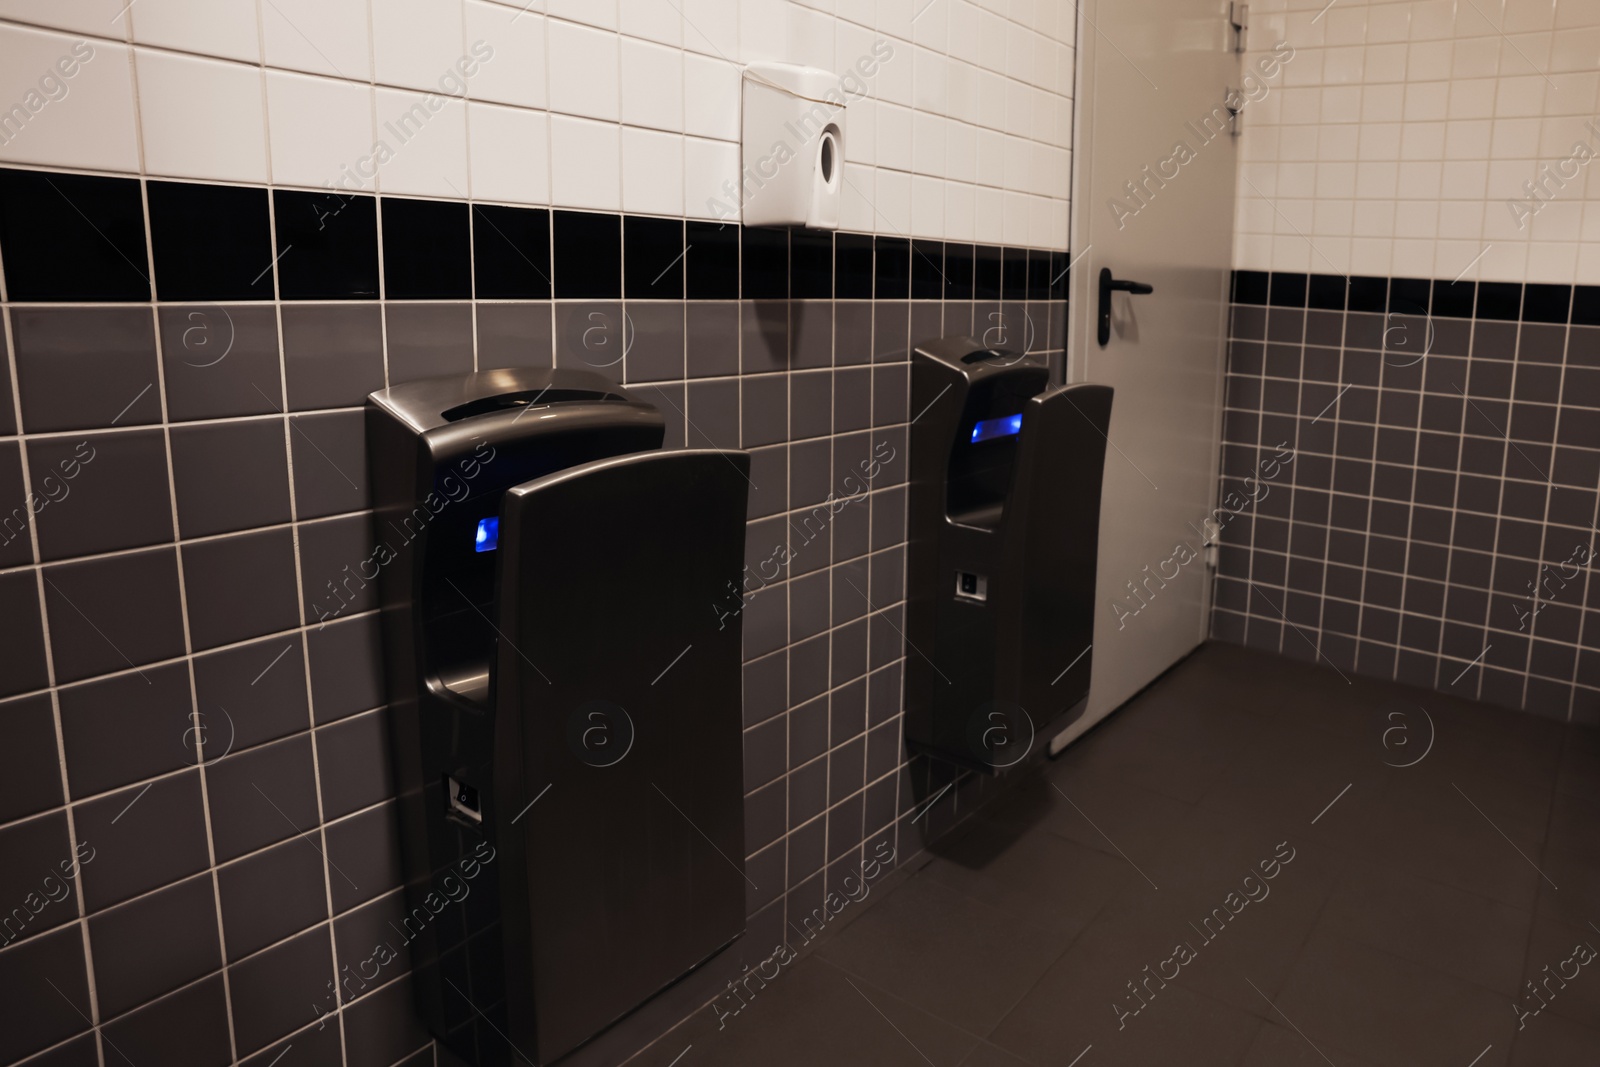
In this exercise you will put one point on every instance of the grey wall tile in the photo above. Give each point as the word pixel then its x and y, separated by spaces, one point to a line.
pixel 332 354
pixel 711 331
pixel 590 335
pixel 655 341
pixel 153 945
pixel 271 894
pixel 142 837
pixel 30 774
pixel 111 492
pixel 240 586
pixel 220 360
pixel 330 463
pixel 428 339
pixel 33 877
pixel 333 554
pixel 261 796
pixel 17 507
pixel 271 991
pixel 114 612
pixel 515 335
pixel 189 1026
pixel 346 667
pixel 359 747
pixel 86 367
pixel 764 336
pixel 127 728
pixel 251 693
pixel 230 476
pixel 38 1015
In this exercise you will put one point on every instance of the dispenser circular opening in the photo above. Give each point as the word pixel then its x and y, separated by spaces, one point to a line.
pixel 826 161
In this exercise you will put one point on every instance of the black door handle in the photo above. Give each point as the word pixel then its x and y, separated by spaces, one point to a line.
pixel 1108 285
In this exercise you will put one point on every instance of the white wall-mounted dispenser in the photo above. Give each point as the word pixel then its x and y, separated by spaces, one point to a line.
pixel 792 170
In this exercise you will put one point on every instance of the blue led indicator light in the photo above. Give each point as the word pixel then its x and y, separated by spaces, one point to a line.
pixel 488 535
pixel 989 429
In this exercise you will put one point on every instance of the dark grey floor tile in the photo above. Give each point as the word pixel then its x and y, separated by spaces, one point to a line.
pixel 1040 879
pixel 1278 1045
pixel 153 945
pixel 1560 978
pixel 1463 934
pixel 1390 1011
pixel 987 1055
pixel 1073 1007
pixel 982 962
pixel 776 1022
pixel 1554 1040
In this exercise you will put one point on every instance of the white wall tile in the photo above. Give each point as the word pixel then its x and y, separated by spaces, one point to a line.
pixel 653 85
pixel 81 119
pixel 710 26
pixel 102 18
pixel 514 73
pixel 707 167
pixel 602 13
pixel 225 28
pixel 201 118
pixel 426 134
pixel 711 101
pixel 583 71
pixel 652 20
pixel 320 36
pixel 652 172
pixel 415 42
pixel 586 163
pixel 510 154
pixel 320 130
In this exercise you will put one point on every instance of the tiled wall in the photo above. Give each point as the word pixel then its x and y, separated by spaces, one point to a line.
pixel 1436 520
pixel 195 703
pixel 1404 134
pixel 192 320
pixel 614 105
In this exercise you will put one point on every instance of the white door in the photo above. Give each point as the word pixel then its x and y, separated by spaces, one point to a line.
pixel 1154 173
